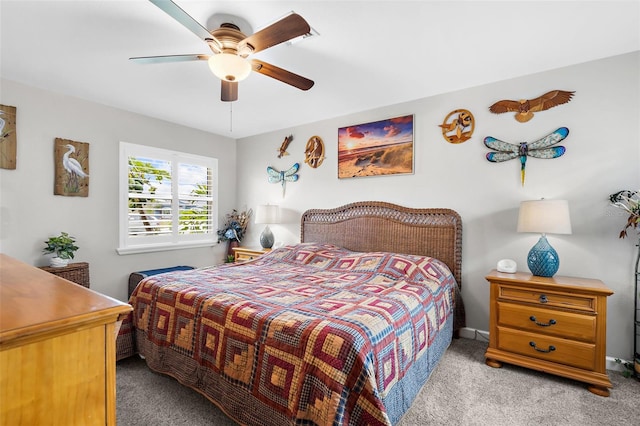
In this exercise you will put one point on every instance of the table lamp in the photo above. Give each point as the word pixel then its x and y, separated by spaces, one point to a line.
pixel 267 214
pixel 545 217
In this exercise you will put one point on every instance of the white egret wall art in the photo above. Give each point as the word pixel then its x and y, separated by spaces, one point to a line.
pixel 71 168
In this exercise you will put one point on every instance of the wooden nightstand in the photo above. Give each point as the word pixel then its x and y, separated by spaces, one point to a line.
pixel 556 325
pixel 76 272
pixel 244 254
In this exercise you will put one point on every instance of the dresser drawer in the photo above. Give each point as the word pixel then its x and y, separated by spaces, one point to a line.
pixel 553 349
pixel 579 302
pixel 572 325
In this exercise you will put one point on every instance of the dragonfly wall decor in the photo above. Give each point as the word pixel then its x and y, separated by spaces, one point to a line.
pixel 542 148
pixel 283 177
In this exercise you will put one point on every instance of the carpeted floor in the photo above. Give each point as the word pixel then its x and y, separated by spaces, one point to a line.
pixel 461 391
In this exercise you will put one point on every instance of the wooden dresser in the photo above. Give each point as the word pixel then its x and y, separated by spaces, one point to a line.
pixel 57 349
pixel 557 325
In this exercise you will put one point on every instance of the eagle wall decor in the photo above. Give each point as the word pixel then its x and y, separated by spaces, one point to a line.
pixel 282 151
pixel 524 108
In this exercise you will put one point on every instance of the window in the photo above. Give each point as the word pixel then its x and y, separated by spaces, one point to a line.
pixel 168 199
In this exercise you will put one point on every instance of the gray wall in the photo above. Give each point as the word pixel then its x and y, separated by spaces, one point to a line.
pixel 30 213
pixel 603 154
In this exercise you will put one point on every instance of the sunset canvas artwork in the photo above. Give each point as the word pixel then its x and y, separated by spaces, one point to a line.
pixel 382 147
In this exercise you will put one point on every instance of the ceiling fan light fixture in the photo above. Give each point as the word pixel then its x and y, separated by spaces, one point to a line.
pixel 229 67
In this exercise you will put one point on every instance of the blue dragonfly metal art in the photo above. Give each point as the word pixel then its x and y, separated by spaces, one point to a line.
pixel 542 148
pixel 283 177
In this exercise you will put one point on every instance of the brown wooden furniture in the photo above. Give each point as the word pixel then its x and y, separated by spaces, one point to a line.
pixel 244 254
pixel 57 349
pixel 556 325
pixel 76 272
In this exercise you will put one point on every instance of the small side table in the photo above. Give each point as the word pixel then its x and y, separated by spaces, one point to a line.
pixel 245 254
pixel 556 325
pixel 75 272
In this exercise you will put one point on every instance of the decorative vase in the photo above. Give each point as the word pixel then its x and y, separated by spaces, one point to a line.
pixel 230 245
pixel 58 262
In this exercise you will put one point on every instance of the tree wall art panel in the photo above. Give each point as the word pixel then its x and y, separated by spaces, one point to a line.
pixel 8 137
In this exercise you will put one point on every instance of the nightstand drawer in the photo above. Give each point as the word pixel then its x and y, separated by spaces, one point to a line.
pixel 570 325
pixel 243 254
pixel 553 349
pixel 548 298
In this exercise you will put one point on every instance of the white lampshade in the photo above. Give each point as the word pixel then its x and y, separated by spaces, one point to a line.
pixel 229 67
pixel 544 217
pixel 267 213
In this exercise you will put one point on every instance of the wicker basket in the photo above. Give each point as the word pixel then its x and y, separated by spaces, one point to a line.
pixel 75 272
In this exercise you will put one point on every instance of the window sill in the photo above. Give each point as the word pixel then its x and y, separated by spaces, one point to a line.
pixel 150 248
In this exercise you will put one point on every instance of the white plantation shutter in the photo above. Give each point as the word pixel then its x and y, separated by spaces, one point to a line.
pixel 195 199
pixel 149 210
pixel 168 199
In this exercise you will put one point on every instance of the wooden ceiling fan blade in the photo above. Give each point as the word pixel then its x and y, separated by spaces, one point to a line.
pixel 287 28
pixel 283 75
pixel 169 58
pixel 228 91
pixel 176 12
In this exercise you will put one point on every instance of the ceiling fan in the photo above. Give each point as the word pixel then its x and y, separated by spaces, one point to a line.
pixel 231 49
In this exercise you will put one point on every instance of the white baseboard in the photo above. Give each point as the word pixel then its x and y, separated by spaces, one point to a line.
pixel 475 334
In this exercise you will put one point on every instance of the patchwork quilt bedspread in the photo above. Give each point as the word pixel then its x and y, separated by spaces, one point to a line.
pixel 306 334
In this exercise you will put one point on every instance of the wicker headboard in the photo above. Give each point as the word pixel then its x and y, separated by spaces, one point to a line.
pixel 378 226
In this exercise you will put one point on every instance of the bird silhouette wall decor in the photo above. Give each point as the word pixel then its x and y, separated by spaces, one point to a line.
pixel 458 126
pixel 314 152
pixel 8 137
pixel 71 168
pixel 282 151
pixel 524 108
pixel 542 148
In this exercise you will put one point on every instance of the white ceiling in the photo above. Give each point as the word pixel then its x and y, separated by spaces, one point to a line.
pixel 368 54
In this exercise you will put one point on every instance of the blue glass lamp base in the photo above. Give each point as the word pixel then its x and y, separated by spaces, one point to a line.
pixel 266 238
pixel 543 260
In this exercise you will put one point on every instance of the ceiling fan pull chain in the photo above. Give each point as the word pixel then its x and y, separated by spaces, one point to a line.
pixel 231 117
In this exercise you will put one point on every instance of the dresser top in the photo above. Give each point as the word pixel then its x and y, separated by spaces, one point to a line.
pixel 34 302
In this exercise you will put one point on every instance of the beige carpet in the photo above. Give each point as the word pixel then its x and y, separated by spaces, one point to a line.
pixel 461 391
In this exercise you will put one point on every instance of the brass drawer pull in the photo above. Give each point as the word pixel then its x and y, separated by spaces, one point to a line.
pixel 541 324
pixel 543 298
pixel 551 348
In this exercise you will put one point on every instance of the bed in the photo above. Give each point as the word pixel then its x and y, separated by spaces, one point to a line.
pixel 342 329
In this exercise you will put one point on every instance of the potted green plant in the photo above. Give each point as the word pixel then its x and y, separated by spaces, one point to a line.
pixel 62 247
